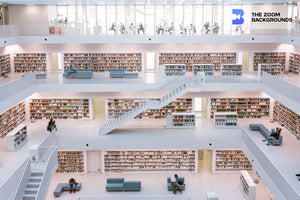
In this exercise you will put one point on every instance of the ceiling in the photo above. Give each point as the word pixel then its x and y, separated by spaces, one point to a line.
pixel 68 2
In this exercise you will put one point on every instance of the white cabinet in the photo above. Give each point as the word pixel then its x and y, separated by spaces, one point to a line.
pixel 167 70
pixel 248 186
pixel 16 138
pixel 208 69
pixel 225 119
pixel 184 120
pixel 231 70
pixel 271 68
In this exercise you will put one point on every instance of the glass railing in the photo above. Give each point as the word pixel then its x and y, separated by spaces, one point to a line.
pixel 9 30
pixel 136 197
pixel 65 30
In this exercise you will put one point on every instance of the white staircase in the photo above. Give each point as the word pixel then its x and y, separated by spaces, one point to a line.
pixel 112 124
pixel 33 186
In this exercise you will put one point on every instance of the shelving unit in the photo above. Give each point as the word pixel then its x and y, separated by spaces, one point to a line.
pixel 268 57
pixel 231 70
pixel 294 63
pixel 245 107
pixel 287 118
pixel 230 160
pixel 271 68
pixel 248 186
pixel 70 162
pixel 11 118
pixel 184 120
pixel 102 62
pixel 16 138
pixel 172 70
pixel 172 160
pixel 197 58
pixel 208 69
pixel 30 62
pixel 118 107
pixel 5 64
pixel 59 109
pixel 225 119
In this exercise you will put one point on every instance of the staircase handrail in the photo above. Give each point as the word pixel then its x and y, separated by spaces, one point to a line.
pixel 51 166
pixel 148 104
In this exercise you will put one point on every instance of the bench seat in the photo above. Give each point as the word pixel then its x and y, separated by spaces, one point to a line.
pixel 170 187
pixel 265 132
pixel 61 187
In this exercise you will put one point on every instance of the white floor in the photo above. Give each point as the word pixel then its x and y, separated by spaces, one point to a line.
pixel 226 185
pixel 151 134
pixel 145 78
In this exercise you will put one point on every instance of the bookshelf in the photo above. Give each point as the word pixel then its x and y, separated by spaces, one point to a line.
pixel 183 120
pixel 172 70
pixel 197 58
pixel 11 118
pixel 287 118
pixel 30 62
pixel 230 160
pixel 271 68
pixel 231 70
pixel 208 69
pixel 248 186
pixel 294 63
pixel 70 162
pixel 59 109
pixel 102 62
pixel 118 107
pixel 268 57
pixel 5 64
pixel 225 119
pixel 154 160
pixel 16 138
pixel 245 107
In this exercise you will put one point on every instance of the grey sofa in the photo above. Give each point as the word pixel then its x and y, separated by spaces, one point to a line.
pixel 61 187
pixel 120 73
pixel 181 187
pixel 118 184
pixel 79 74
pixel 265 132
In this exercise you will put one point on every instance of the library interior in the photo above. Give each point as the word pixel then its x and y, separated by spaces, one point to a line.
pixel 149 99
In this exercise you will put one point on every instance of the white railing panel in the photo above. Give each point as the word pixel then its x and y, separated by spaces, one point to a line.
pixel 8 188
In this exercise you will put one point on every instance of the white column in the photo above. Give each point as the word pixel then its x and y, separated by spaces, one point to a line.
pixel 85 161
pixel 208 104
pixel 272 101
pixel 91 109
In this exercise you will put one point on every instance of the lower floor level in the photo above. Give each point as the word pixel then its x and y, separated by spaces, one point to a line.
pixel 227 186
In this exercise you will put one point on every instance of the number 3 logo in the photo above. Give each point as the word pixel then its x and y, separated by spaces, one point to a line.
pixel 239 19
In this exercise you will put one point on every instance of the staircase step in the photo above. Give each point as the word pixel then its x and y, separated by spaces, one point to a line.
pixel 33 184
pixel 37 173
pixel 35 178
pixel 29 197
pixel 31 190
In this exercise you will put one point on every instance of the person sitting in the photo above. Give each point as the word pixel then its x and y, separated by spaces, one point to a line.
pixel 141 28
pixel 113 28
pixel 175 184
pixel 273 136
pixel 160 29
pixel 171 28
pixel 72 183
pixel 51 125
pixel 216 28
pixel 206 27
pixel 70 71
pixel 122 28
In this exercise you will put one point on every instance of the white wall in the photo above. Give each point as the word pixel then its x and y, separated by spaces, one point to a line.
pixel 31 19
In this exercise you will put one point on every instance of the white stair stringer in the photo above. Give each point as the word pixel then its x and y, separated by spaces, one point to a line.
pixel 112 124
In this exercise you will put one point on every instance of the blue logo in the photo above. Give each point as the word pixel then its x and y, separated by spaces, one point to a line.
pixel 239 13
